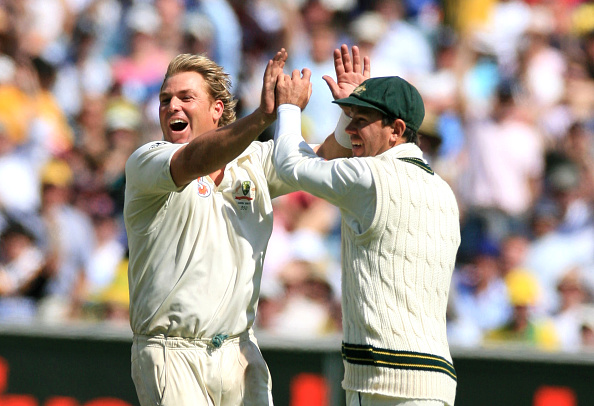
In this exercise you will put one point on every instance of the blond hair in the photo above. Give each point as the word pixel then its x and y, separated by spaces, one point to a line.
pixel 218 82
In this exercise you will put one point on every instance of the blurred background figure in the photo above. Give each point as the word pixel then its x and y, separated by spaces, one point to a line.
pixel 22 275
pixel 573 297
pixel 587 328
pixel 68 242
pixel 139 71
pixel 480 294
pixel 524 328
pixel 306 295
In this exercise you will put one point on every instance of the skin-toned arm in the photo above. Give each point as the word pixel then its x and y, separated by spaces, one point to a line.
pixel 212 150
pixel 349 74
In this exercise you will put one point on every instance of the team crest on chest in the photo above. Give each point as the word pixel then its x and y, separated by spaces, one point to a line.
pixel 204 188
pixel 243 193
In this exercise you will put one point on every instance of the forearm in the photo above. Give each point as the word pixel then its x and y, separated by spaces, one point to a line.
pixel 212 150
pixel 287 140
pixel 298 165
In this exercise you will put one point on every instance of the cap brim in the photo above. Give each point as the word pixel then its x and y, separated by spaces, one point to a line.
pixel 354 101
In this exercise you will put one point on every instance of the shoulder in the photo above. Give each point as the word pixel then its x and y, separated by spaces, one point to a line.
pixel 257 151
pixel 155 146
pixel 153 150
pixel 259 147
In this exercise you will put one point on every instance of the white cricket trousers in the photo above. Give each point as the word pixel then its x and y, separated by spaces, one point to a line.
pixel 193 372
pixel 368 399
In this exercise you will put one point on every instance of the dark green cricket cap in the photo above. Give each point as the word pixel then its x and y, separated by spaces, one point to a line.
pixel 392 96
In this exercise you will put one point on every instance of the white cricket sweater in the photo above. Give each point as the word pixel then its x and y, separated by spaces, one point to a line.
pixel 396 280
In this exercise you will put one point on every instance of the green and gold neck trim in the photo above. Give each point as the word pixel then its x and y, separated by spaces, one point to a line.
pixel 420 163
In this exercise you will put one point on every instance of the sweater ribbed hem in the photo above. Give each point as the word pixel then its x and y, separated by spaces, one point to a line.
pixel 399 382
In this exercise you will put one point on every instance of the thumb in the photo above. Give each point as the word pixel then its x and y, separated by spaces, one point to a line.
pixel 332 85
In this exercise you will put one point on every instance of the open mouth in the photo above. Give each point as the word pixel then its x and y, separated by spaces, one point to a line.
pixel 177 125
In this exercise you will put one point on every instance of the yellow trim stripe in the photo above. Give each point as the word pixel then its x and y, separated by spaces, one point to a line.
pixel 369 355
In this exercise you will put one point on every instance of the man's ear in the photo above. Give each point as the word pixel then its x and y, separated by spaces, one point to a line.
pixel 218 108
pixel 398 127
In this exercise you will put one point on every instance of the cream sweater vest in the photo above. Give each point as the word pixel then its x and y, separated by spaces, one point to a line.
pixel 395 282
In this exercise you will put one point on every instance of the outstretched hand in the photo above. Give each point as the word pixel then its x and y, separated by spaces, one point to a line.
pixel 295 89
pixel 349 73
pixel 273 70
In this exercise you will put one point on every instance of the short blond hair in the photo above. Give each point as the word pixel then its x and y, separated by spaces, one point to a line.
pixel 217 80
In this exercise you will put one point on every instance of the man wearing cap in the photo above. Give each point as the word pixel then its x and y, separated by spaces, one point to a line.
pixel 400 235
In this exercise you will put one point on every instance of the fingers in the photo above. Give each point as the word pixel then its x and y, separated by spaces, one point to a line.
pixel 276 64
pixel 295 88
pixel 281 79
pixel 338 65
pixel 343 63
pixel 306 74
pixel 281 57
pixel 366 67
pixel 346 58
pixel 356 59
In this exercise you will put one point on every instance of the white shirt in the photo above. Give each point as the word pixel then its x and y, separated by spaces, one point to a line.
pixel 196 252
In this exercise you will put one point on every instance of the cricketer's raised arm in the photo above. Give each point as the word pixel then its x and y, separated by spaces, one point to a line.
pixel 298 165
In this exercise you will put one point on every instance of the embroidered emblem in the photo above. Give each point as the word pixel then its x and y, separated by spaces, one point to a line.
pixel 204 188
pixel 244 193
pixel 245 187
pixel 359 89
pixel 157 144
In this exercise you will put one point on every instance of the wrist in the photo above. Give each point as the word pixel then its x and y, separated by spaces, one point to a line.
pixel 289 120
pixel 264 117
pixel 340 134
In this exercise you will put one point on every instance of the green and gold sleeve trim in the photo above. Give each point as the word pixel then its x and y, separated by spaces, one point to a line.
pixel 419 162
pixel 379 357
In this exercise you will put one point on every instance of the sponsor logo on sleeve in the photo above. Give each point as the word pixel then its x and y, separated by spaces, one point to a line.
pixel 204 188
pixel 157 144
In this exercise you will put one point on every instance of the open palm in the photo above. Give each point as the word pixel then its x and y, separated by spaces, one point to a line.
pixel 349 72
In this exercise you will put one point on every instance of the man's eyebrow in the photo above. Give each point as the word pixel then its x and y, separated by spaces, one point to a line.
pixel 180 92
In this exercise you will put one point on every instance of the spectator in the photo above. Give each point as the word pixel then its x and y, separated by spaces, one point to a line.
pixel 573 295
pixel 307 296
pixel 108 253
pixel 320 115
pixel 568 243
pixel 140 71
pixel 405 46
pixel 21 274
pixel 504 170
pixel 19 181
pixel 587 328
pixel 481 296
pixel 524 328
pixel 68 242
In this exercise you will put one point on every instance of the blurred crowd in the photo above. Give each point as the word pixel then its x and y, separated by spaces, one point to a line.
pixel 509 94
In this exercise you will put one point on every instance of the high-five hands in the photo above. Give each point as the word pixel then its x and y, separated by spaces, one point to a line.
pixel 295 89
pixel 273 70
pixel 349 73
